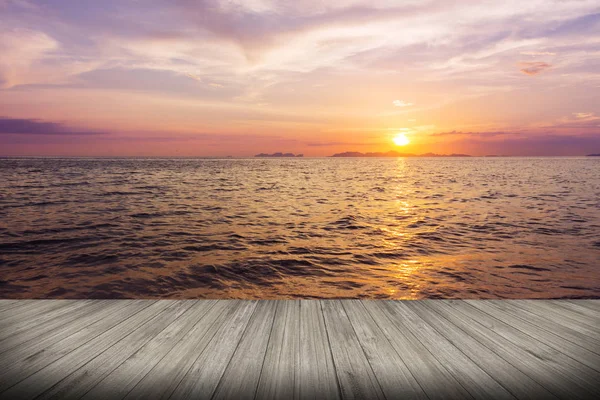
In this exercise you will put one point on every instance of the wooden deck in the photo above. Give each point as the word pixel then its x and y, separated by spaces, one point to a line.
pixel 307 349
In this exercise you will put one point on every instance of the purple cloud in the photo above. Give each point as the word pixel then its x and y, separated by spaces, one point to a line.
pixel 36 127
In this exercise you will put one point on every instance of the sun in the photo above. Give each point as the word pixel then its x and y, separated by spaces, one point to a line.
pixel 401 140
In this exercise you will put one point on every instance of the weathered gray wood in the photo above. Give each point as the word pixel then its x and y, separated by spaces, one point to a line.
pixel 591 304
pixel 394 377
pixel 577 307
pixel 122 379
pixel 355 375
pixel 14 348
pixel 578 353
pixel 435 380
pixel 316 377
pixel 30 312
pixel 54 308
pixel 540 362
pixel 571 314
pixel 24 325
pixel 308 349
pixel 81 353
pixel 89 375
pixel 8 304
pixel 560 316
pixel 241 376
pixel 475 380
pixel 165 376
pixel 24 309
pixel 21 304
pixel 17 364
pixel 516 382
pixel 281 360
pixel 204 375
pixel 549 325
pixel 23 332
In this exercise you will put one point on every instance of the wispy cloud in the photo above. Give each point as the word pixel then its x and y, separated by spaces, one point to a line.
pixel 334 144
pixel 209 64
pixel 585 115
pixel 534 67
pixel 37 127
pixel 483 134
pixel 538 53
pixel 21 49
pixel 401 103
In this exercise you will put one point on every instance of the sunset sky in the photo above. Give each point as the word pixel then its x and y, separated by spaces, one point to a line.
pixel 217 78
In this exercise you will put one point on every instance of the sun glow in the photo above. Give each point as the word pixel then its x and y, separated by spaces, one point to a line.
pixel 401 140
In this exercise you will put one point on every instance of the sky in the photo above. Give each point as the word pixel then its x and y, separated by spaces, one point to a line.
pixel 219 78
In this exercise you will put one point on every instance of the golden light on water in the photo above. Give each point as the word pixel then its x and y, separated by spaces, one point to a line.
pixel 401 140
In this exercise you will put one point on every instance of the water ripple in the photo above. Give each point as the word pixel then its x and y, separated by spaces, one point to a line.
pixel 302 228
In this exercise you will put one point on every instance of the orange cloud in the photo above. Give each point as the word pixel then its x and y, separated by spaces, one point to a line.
pixel 534 67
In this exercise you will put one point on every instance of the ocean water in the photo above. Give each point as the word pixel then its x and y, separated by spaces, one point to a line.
pixel 300 228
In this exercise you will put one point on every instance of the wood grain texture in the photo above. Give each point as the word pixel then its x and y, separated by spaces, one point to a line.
pixel 474 379
pixel 355 374
pixel 547 323
pixel 393 375
pixel 516 382
pixel 278 373
pixel 167 374
pixel 316 377
pixel 535 359
pixel 204 375
pixel 432 376
pixel 299 349
pixel 242 375
pixel 573 350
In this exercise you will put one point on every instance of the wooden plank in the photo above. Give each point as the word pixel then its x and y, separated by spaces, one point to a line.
pixel 242 375
pixel 592 360
pixel 591 304
pixel 30 312
pixel 166 375
pixel 80 382
pixel 26 309
pixel 474 379
pixel 560 316
pixel 6 304
pixel 355 375
pixel 22 304
pixel 22 324
pixel 20 362
pixel 299 349
pixel 78 350
pixel 29 343
pixel 204 375
pixel 576 314
pixel 435 380
pixel 576 306
pixel 281 360
pixel 569 333
pixel 516 382
pixel 22 332
pixel 18 347
pixel 316 377
pixel 540 362
pixel 394 377
pixel 122 380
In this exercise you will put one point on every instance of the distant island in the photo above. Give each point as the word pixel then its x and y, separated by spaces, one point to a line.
pixel 593 155
pixel 279 155
pixel 393 153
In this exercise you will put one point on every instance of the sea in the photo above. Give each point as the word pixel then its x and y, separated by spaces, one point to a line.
pixel 255 228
